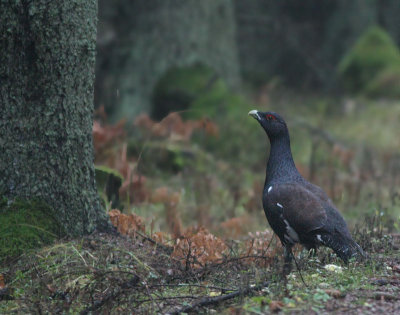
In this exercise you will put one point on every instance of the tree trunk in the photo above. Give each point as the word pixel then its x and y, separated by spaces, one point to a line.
pixel 47 56
pixel 140 40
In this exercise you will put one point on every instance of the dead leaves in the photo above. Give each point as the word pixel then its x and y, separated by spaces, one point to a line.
pixel 174 128
pixel 259 243
pixel 276 306
pixel 126 224
pixel 234 227
pixel 111 147
pixel 197 247
pixel 335 293
pixel 106 135
pixel 5 292
pixel 170 200
pixel 194 248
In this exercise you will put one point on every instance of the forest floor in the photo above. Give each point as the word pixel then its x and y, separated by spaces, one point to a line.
pixel 105 273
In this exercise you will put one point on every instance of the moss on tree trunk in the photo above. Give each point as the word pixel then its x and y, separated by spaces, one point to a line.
pixel 47 56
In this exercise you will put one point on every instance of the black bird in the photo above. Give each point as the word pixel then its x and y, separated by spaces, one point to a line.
pixel 297 210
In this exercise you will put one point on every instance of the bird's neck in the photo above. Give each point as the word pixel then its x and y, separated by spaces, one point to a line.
pixel 281 167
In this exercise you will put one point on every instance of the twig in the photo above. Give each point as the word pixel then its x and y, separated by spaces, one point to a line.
pixel 384 296
pixel 74 248
pixel 110 296
pixel 99 303
pixel 168 249
pixel 217 299
pixel 165 298
pixel 321 133
pixel 151 297
pixel 298 268
pixel 192 285
pixel 230 260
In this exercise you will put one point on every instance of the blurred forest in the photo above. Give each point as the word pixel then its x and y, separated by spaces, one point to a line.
pixel 174 83
pixel 298 44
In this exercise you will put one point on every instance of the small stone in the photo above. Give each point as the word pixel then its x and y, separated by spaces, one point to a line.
pixel 333 268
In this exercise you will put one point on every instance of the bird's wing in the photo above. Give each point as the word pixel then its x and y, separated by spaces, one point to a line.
pixel 300 207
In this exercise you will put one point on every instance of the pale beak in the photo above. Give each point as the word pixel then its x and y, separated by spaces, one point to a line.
pixel 254 114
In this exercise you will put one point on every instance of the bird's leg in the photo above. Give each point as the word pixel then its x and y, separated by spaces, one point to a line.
pixel 287 266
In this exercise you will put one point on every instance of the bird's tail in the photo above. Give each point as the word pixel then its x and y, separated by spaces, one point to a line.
pixel 345 248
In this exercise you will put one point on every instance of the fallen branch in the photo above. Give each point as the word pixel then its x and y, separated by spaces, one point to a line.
pixel 192 285
pixel 384 296
pixel 218 299
pixel 230 260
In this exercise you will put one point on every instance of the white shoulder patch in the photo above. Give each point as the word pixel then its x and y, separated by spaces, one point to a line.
pixel 270 188
pixel 279 205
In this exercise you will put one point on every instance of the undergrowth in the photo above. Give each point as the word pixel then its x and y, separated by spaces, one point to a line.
pixel 116 274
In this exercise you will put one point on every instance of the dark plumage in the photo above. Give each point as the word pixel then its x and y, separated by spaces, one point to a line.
pixel 297 210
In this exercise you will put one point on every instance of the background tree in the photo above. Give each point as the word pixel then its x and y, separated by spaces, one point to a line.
pixel 46 101
pixel 154 36
pixel 301 42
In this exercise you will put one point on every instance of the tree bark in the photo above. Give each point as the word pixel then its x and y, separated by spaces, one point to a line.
pixel 47 56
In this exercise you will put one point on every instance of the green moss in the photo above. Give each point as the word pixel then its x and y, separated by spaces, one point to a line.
pixel 25 225
pixel 158 157
pixel 386 84
pixel 102 175
pixel 373 53
pixel 195 89
pixel 108 182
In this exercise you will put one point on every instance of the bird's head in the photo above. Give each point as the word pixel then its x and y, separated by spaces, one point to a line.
pixel 273 124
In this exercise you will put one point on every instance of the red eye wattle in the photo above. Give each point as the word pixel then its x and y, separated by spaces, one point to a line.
pixel 271 117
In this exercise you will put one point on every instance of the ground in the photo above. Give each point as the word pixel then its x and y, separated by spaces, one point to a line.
pixel 118 274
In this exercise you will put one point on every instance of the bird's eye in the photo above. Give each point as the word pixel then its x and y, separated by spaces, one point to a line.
pixel 271 117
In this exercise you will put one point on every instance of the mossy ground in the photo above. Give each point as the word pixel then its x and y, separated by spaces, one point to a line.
pixel 113 274
pixel 25 225
pixel 359 287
